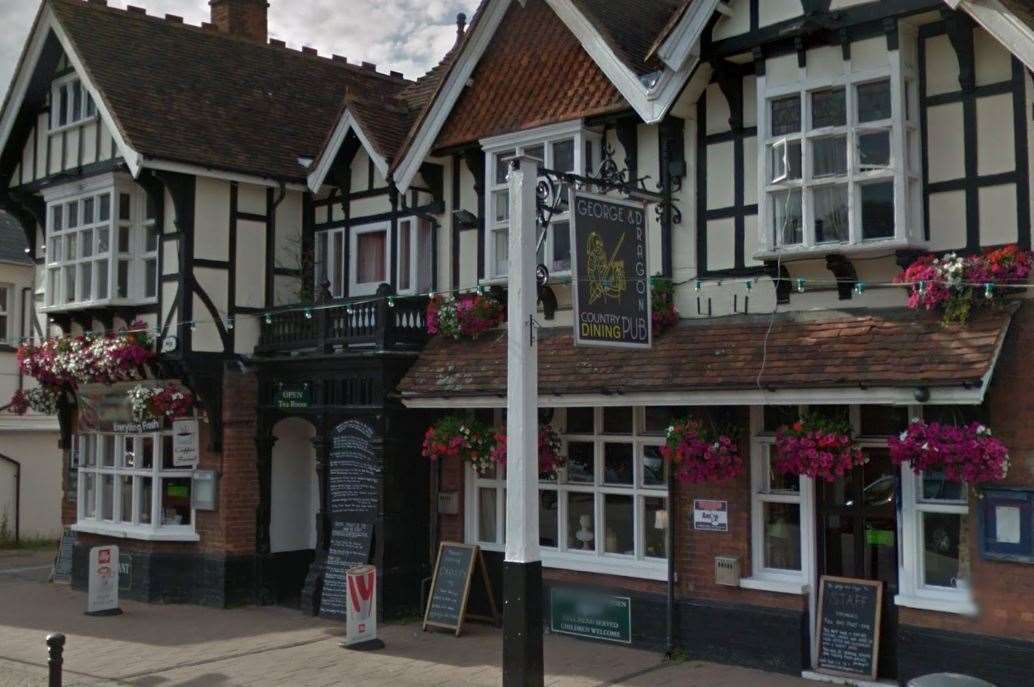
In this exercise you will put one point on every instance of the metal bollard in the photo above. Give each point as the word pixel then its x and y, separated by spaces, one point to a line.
pixel 56 644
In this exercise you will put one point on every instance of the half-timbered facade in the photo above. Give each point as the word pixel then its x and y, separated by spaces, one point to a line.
pixel 282 232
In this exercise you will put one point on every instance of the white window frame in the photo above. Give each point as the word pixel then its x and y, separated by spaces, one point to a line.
pixel 134 528
pixel 904 168
pixel 419 267
pixel 6 312
pixel 501 148
pixel 139 226
pixel 356 288
pixel 776 579
pixel 87 107
pixel 597 561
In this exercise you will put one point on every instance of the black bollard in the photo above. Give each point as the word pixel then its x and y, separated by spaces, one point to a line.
pixel 56 644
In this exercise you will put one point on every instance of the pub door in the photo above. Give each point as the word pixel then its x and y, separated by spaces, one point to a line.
pixel 294 504
pixel 857 537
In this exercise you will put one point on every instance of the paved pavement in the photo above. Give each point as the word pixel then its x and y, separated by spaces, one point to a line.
pixel 188 646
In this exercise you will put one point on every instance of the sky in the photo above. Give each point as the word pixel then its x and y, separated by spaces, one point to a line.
pixel 409 36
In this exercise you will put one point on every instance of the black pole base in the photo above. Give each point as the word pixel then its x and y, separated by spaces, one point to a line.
pixel 372 645
pixel 522 625
pixel 105 614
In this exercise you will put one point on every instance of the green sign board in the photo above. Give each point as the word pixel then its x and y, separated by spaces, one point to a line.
pixel 586 613
pixel 291 396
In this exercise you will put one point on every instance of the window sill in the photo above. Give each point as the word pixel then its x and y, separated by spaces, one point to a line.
pixel 795 587
pixel 108 303
pixel 869 247
pixel 961 606
pixel 177 534
pixel 653 569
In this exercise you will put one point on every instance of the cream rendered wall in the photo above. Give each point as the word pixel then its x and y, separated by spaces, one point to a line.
pixel 288 248
pixel 468 238
pixel 212 219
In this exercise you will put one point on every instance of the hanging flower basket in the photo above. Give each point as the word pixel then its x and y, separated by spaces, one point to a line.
pixel 966 453
pixel 550 460
pixel 468 315
pixel 166 401
pixel 954 284
pixel 453 437
pixel 818 448
pixel 701 455
pixel 662 305
pixel 68 362
pixel 40 399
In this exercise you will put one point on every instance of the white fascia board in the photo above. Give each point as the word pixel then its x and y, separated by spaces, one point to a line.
pixel 29 423
pixel 901 396
pixel 133 159
pixel 997 20
pixel 346 124
pixel 222 175
pixel 683 42
pixel 530 136
pixel 449 93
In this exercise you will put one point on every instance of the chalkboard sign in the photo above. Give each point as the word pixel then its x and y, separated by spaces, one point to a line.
pixel 450 587
pixel 62 573
pixel 349 547
pixel 355 473
pixel 849 626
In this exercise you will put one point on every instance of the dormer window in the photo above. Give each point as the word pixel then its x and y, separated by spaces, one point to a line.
pixel 102 246
pixel 70 103
pixel 564 148
pixel 839 162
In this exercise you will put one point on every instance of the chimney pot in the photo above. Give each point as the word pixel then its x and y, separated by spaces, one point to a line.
pixel 244 18
pixel 461 26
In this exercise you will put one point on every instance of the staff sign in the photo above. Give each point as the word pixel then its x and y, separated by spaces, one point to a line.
pixel 611 285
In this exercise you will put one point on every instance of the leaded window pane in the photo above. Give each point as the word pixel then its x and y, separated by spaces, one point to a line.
pixel 786 115
pixel 874 101
pixel 828 108
pixel 877 210
pixel 874 149
pixel 831 216
pixel 788 220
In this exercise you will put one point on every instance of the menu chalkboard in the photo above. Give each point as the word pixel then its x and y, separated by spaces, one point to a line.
pixel 354 476
pixel 450 586
pixel 349 547
pixel 63 561
pixel 849 626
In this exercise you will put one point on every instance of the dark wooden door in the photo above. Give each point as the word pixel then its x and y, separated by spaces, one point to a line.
pixel 857 532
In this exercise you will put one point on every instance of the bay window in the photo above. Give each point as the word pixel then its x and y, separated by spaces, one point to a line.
pixel 563 148
pixel 70 103
pixel 839 162
pixel 6 294
pixel 607 511
pixel 128 484
pixel 102 247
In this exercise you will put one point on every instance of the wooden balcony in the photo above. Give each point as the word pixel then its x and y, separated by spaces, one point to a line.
pixel 368 325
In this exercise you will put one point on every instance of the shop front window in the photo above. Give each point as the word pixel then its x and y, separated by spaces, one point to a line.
pixel 607 512
pixel 128 486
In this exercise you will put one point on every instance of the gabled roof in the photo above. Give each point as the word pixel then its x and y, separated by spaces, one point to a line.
pixel 864 355
pixel 196 96
pixel 1010 21
pixel 618 36
pixel 12 241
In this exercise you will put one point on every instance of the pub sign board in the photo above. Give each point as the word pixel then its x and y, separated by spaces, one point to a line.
pixel 848 632
pixel 611 291
pixel 590 614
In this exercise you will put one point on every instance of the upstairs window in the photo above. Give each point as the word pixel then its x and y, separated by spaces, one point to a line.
pixel 572 150
pixel 102 248
pixel 6 293
pixel 367 263
pixel 70 103
pixel 840 164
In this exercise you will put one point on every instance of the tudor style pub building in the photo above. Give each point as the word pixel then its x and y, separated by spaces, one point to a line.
pixel 276 222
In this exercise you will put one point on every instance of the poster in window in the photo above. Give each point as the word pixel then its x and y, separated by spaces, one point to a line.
pixel 184 443
pixel 609 259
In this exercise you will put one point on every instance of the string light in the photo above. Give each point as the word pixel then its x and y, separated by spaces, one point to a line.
pixel 269 318
pixel 308 314
pixel 989 291
pixel 391 301
pixel 922 288
pixel 859 288
pixel 699 285
pixel 749 285
pixel 800 285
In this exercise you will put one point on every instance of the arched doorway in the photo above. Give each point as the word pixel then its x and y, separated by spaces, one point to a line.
pixel 294 505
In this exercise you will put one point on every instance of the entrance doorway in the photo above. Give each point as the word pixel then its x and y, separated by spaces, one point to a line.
pixel 294 506
pixel 857 537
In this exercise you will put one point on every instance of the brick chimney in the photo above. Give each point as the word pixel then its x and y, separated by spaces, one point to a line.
pixel 244 18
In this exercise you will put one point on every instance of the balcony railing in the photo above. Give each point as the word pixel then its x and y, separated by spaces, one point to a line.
pixel 376 324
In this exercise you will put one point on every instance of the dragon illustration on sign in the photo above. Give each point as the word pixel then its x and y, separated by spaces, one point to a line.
pixel 606 275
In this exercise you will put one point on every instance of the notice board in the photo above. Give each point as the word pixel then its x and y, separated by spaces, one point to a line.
pixel 848 627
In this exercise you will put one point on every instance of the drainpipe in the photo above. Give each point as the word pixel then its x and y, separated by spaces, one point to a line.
pixel 672 521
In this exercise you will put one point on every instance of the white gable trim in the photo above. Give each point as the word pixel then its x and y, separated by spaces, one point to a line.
pixel 997 20
pixel 683 43
pixel 48 22
pixel 347 123
pixel 449 92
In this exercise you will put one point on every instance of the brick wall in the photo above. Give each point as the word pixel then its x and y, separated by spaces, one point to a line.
pixel 1004 591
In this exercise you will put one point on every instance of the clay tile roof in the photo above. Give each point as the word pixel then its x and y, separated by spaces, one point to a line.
pixel 878 348
pixel 12 241
pixel 534 72
pixel 185 94
pixel 631 27
pixel 1022 9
